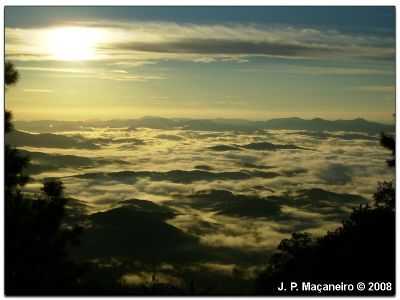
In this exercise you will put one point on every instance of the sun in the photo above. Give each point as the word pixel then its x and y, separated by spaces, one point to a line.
pixel 73 43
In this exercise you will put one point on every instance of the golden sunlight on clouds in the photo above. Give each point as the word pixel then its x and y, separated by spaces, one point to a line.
pixel 73 43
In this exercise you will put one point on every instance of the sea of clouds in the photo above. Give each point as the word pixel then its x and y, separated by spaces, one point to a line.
pixel 216 202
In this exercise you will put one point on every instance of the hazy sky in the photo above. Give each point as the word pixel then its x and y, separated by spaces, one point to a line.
pixel 233 62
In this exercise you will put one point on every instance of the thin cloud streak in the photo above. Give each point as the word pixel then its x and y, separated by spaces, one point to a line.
pixel 321 71
pixel 117 75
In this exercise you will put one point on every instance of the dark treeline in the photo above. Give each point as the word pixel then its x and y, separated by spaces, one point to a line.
pixel 38 242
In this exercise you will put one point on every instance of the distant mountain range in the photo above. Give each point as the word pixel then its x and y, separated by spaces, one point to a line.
pixel 317 124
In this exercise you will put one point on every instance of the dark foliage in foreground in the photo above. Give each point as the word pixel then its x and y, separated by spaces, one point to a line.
pixel 362 249
pixel 11 77
pixel 36 239
pixel 389 143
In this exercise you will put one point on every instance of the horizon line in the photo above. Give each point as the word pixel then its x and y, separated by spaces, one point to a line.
pixel 208 119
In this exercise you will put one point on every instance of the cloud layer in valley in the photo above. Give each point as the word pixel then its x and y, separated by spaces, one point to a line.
pixel 225 197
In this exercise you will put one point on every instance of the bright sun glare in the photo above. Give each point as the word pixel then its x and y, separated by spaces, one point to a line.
pixel 73 43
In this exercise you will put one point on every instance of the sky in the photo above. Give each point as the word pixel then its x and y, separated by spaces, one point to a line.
pixel 79 63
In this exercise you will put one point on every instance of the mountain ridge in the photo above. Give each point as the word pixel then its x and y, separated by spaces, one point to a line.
pixel 216 124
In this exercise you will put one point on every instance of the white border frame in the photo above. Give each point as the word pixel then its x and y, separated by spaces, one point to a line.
pixel 182 3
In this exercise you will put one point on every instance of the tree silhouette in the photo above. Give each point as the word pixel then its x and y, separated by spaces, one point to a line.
pixel 385 196
pixel 363 248
pixel 36 238
pixel 15 163
pixel 389 143
pixel 11 77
